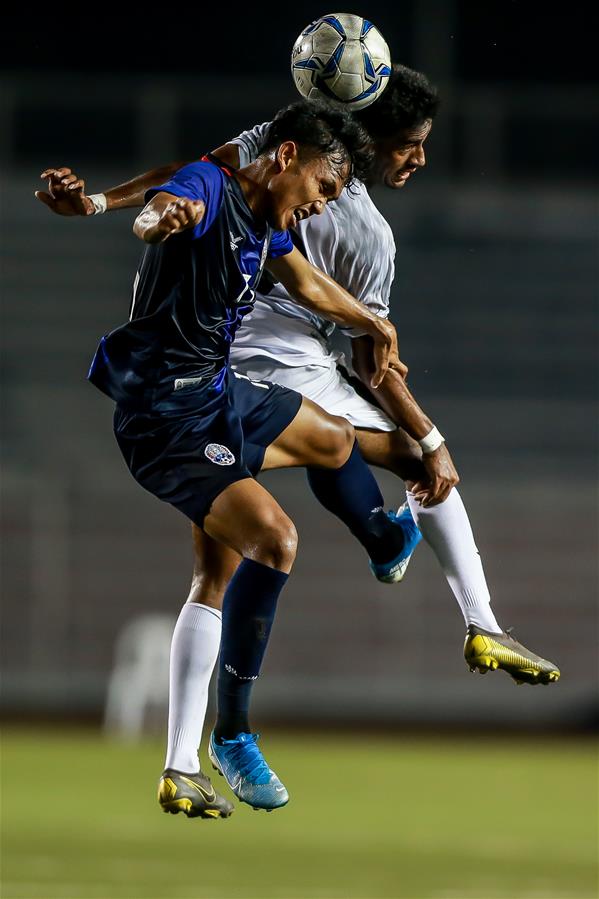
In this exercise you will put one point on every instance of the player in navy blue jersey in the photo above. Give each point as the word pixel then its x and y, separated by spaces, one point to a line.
pixel 195 435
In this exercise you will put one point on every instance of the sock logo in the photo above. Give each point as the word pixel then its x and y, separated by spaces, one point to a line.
pixel 232 671
pixel 219 454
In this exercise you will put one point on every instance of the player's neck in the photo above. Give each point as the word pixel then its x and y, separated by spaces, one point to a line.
pixel 253 180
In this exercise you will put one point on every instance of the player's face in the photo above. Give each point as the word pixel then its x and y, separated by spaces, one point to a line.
pixel 302 187
pixel 397 158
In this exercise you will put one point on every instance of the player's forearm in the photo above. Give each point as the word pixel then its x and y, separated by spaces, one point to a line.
pixel 322 295
pixel 397 401
pixel 132 192
pixel 393 394
pixel 317 292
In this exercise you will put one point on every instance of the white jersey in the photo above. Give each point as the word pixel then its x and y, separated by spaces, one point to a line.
pixel 351 242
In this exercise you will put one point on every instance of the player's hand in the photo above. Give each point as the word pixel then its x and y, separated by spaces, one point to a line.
pixel 386 353
pixel 66 193
pixel 178 215
pixel 442 476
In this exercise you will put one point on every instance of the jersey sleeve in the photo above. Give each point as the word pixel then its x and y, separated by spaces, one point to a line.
pixel 196 181
pixel 280 244
pixel 250 143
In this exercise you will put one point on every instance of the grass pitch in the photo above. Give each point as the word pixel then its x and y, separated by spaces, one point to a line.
pixel 369 818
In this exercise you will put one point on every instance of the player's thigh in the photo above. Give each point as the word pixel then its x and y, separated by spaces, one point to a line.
pixel 249 521
pixel 313 438
pixel 214 564
pixel 394 450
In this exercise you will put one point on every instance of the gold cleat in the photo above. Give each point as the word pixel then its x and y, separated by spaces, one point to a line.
pixel 192 794
pixel 485 651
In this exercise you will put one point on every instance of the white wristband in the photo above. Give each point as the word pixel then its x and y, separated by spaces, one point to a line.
pixel 432 441
pixel 99 201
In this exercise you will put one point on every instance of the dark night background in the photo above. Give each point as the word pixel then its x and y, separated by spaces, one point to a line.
pixel 495 42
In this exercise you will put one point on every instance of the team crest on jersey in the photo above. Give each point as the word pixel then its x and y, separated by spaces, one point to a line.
pixel 219 454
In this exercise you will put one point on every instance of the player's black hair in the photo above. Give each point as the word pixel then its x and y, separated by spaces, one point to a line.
pixel 407 101
pixel 323 128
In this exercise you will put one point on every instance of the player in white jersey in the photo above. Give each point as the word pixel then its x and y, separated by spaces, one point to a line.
pixel 352 242
pixel 352 239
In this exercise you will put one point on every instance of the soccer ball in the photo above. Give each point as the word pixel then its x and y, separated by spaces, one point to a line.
pixel 342 57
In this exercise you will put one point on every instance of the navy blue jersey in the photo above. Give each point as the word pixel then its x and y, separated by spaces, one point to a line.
pixel 190 293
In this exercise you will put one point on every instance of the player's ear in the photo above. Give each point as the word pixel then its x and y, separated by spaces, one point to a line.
pixel 286 154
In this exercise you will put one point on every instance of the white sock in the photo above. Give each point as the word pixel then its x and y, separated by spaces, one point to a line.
pixel 194 650
pixel 447 531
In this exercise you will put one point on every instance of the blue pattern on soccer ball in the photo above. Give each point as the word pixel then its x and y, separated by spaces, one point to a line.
pixel 368 66
pixel 344 57
pixel 335 23
pixel 366 27
pixel 333 63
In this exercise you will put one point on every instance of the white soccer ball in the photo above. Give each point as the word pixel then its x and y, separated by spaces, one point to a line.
pixel 341 57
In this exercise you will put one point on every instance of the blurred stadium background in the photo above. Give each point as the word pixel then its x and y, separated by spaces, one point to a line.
pixel 496 302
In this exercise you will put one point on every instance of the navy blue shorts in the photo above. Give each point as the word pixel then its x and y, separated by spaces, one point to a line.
pixel 201 438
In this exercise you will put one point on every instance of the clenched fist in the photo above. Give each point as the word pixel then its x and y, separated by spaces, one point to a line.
pixel 155 224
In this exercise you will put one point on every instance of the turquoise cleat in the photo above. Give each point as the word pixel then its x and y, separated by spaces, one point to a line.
pixel 392 572
pixel 244 768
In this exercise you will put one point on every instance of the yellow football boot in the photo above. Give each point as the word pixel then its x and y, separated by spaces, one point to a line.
pixel 192 794
pixel 486 651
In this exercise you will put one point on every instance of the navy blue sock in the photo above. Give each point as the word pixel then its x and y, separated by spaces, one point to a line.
pixel 248 612
pixel 353 495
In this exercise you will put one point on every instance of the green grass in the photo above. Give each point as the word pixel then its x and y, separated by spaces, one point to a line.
pixel 387 818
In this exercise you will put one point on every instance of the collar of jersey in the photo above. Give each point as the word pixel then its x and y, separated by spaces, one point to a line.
pixel 238 190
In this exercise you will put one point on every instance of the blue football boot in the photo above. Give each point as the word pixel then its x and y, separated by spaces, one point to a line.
pixel 244 768
pixel 392 572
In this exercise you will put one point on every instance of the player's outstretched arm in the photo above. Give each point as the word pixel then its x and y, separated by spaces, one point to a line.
pixel 398 402
pixel 166 215
pixel 66 194
pixel 314 290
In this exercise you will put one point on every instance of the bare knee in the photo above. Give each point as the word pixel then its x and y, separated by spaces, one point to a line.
pixel 275 543
pixel 336 437
pixel 345 441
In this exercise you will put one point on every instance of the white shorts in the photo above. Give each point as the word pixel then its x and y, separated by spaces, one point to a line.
pixel 325 386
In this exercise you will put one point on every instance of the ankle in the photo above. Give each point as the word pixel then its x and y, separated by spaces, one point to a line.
pixel 229 729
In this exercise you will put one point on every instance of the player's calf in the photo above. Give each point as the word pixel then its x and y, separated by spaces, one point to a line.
pixel 394 451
